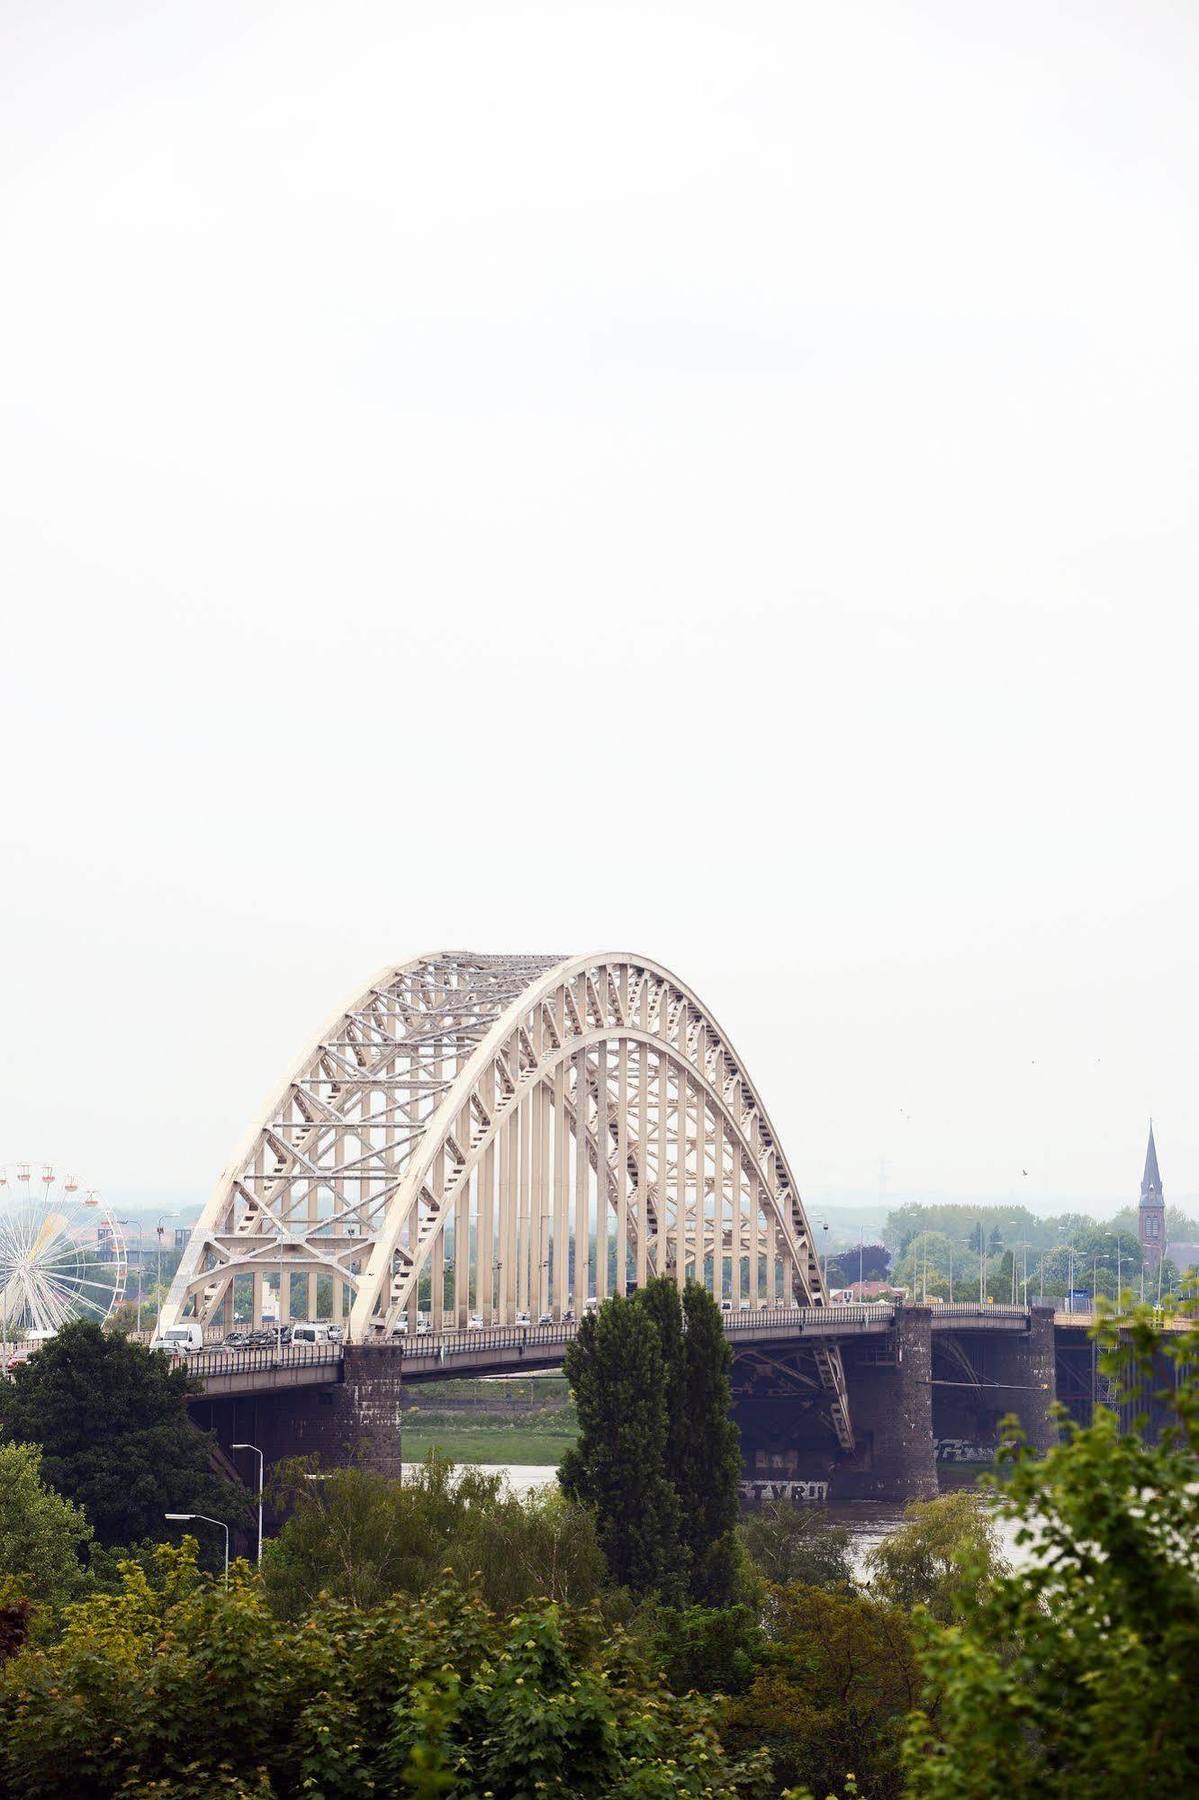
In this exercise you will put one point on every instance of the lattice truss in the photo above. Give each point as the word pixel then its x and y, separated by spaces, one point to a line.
pixel 496 1135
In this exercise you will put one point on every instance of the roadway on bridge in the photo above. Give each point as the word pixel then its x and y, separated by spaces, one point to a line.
pixel 505 1349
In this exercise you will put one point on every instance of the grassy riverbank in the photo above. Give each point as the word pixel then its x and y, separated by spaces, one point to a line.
pixel 509 1444
pixel 528 1422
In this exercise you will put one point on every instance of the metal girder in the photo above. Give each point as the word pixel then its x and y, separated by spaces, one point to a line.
pixel 555 1128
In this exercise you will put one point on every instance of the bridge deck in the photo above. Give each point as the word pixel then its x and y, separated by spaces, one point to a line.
pixel 505 1349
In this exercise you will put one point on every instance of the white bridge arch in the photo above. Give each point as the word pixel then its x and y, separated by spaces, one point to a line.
pixel 494 1135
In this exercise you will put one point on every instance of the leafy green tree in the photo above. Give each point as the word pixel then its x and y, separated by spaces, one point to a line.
pixel 870 1262
pixel 831 1693
pixel 941 1545
pixel 178 1690
pixel 707 1471
pixel 680 1438
pixel 615 1368
pixel 115 1436
pixel 707 1649
pixel 1077 1674
pixel 361 1537
pixel 41 1534
pixel 798 1545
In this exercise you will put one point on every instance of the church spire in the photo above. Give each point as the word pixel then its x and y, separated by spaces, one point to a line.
pixel 1151 1214
pixel 1151 1181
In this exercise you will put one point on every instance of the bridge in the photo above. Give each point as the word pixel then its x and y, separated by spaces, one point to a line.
pixel 481 1137
pixel 476 1141
pixel 915 1376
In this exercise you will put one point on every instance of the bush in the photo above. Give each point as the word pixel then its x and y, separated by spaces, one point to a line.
pixel 207 1694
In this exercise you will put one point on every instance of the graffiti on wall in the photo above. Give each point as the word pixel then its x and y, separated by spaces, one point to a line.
pixel 808 1491
pixel 958 1450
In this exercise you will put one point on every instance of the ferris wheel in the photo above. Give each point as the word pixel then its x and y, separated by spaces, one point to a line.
pixel 62 1254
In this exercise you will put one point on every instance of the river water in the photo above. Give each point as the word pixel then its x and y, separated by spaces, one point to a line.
pixel 867 1521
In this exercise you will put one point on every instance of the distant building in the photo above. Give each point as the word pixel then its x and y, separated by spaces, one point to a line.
pixel 865 1290
pixel 1151 1215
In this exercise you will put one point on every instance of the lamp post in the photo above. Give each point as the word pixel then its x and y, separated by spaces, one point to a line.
pixel 158 1280
pixel 258 1454
pixel 207 1521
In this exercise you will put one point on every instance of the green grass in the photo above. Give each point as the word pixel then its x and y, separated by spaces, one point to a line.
pixel 491 1444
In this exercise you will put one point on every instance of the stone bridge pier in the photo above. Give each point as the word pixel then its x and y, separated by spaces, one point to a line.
pixel 353 1419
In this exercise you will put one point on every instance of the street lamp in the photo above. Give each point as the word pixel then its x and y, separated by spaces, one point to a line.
pixel 207 1521
pixel 258 1454
pixel 158 1283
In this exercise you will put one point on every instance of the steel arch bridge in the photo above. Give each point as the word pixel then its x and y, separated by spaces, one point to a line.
pixel 489 1136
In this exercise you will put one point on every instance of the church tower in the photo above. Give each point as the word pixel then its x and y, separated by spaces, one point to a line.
pixel 1151 1217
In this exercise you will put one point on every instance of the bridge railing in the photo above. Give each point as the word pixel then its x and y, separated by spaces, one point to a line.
pixel 492 1337
pixel 970 1309
pixel 245 1362
pixel 815 1315
pixel 517 1337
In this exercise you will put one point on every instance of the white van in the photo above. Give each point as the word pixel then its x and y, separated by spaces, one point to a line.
pixel 323 1332
pixel 179 1340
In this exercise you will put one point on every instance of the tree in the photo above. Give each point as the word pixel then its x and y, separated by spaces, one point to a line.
pixel 112 1423
pixel 941 1545
pixel 178 1689
pixel 1076 1674
pixel 618 1466
pixel 361 1537
pixel 867 1262
pixel 707 1649
pixel 706 1471
pixel 41 1534
pixel 798 1545
pixel 831 1693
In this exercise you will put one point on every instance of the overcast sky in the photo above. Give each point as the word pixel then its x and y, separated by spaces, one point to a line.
pixel 712 480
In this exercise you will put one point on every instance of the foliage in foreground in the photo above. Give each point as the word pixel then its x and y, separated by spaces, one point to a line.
pixel 1078 1675
pixel 175 1690
pixel 832 1692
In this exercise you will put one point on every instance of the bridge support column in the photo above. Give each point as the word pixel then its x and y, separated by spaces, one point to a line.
pixel 355 1421
pixel 891 1406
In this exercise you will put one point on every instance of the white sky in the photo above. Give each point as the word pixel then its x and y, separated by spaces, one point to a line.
pixel 710 480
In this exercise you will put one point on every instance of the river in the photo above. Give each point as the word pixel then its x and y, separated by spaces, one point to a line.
pixel 867 1521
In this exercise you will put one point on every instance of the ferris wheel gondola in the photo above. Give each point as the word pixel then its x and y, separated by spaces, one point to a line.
pixel 62 1253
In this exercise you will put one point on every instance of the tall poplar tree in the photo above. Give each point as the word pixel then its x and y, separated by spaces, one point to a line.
pixel 707 1466
pixel 615 1369
pixel 681 1436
